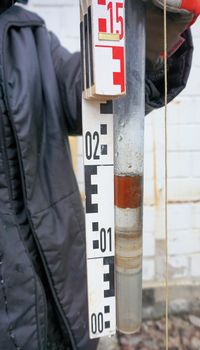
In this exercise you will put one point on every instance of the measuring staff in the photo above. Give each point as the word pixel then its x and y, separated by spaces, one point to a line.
pixel 103 64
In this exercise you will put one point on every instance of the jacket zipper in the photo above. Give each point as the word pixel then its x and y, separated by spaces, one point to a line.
pixel 36 277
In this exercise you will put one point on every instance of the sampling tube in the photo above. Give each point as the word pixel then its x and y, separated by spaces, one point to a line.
pixel 129 153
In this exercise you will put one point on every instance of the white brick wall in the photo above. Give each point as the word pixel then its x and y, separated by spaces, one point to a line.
pixel 183 180
pixel 62 16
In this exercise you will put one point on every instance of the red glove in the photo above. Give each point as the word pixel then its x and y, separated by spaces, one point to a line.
pixel 191 6
pixel 181 7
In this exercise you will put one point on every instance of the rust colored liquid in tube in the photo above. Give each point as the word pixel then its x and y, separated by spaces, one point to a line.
pixel 128 207
pixel 128 191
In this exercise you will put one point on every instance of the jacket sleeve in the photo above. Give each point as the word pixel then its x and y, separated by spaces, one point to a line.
pixel 68 71
pixel 179 65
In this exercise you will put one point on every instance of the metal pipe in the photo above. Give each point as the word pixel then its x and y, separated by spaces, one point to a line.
pixel 129 114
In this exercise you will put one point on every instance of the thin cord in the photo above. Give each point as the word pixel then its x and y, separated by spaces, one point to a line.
pixel 166 186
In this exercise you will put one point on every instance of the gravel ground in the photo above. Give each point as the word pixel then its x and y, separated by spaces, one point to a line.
pixel 184 334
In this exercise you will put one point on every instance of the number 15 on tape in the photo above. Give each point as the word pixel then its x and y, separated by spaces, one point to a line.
pixel 103 49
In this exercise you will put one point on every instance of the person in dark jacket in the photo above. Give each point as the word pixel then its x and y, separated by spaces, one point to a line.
pixel 43 295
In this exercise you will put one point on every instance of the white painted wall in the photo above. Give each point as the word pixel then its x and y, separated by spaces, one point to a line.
pixel 62 16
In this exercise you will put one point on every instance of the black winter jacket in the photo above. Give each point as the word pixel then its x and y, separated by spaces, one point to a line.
pixel 42 243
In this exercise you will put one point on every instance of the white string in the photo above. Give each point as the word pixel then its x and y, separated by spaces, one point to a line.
pixel 166 186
